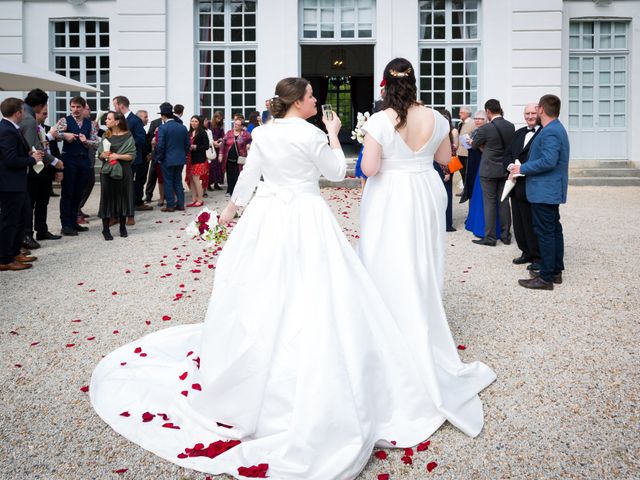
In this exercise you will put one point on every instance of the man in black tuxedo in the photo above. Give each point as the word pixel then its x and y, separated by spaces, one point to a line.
pixel 121 104
pixel 151 132
pixel 520 206
pixel 38 183
pixel 493 138
pixel 15 159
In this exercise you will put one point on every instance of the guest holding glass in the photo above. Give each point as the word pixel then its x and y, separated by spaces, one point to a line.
pixel 116 193
pixel 234 145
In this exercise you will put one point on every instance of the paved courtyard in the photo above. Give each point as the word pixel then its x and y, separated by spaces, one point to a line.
pixel 565 404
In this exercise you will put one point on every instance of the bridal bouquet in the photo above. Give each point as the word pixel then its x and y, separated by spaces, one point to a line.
pixel 206 227
pixel 358 133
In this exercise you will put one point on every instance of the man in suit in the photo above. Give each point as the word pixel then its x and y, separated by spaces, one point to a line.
pixel 79 135
pixel 493 138
pixel 91 180
pixel 38 183
pixel 465 127
pixel 547 177
pixel 121 104
pixel 15 159
pixel 520 207
pixel 173 146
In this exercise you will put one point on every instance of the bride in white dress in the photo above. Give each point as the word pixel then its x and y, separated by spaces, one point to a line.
pixel 299 370
pixel 402 235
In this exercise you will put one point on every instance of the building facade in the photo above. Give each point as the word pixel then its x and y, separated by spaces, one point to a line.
pixel 228 55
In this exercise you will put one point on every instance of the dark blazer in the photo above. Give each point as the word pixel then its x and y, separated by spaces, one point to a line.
pixel 14 158
pixel 201 141
pixel 53 144
pixel 173 144
pixel 547 170
pixel 517 150
pixel 139 137
pixel 493 147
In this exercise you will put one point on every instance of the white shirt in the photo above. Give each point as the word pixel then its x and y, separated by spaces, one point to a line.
pixel 529 135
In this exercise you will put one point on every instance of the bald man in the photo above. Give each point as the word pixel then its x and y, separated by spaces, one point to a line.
pixel 520 206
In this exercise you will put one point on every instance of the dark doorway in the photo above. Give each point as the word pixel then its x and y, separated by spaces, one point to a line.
pixel 341 75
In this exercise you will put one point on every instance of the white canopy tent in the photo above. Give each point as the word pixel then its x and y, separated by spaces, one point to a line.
pixel 22 77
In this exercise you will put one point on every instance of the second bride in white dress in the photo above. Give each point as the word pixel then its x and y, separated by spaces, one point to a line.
pixel 298 370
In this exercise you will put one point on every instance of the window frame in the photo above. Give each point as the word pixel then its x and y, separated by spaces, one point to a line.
pixel 337 38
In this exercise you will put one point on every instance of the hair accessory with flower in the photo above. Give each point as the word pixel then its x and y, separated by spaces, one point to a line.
pixel 397 74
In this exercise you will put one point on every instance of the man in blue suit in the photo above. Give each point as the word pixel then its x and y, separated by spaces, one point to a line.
pixel 547 178
pixel 121 104
pixel 171 154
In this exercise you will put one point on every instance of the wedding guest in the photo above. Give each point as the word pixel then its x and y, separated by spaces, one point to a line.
pixel 473 157
pixel 520 207
pixel 154 168
pixel 199 168
pixel 254 121
pixel 116 193
pixel 216 173
pixel 79 134
pixel 178 111
pixel 143 115
pixel 493 138
pixel 91 180
pixel 546 177
pixel 15 159
pixel 121 104
pixel 234 145
pixel 445 175
pixel 39 183
pixel 172 148
pixel 465 127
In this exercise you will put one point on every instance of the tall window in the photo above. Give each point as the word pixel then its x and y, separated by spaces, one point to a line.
pixel 337 19
pixel 226 44
pixel 80 51
pixel 449 45
pixel 598 64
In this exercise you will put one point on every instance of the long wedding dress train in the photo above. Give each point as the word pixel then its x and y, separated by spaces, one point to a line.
pixel 299 369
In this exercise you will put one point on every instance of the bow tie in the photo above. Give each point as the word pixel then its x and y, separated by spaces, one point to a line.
pixel 531 129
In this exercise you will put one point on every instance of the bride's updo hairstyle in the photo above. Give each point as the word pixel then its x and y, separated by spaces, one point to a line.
pixel 288 91
pixel 401 92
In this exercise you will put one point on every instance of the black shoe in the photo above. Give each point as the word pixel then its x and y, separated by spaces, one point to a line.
pixel 535 266
pixel 506 241
pixel 30 243
pixel 482 241
pixel 522 259
pixel 451 229
pixel 557 278
pixel 123 233
pixel 80 228
pixel 48 236
pixel 69 232
pixel 536 284
pixel 107 235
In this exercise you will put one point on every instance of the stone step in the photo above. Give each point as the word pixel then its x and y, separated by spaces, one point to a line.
pixel 605 181
pixel 346 183
pixel 581 164
pixel 604 172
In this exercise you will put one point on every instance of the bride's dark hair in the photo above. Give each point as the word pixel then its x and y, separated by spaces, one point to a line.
pixel 288 91
pixel 401 91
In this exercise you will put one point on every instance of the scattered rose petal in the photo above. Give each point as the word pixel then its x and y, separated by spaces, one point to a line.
pixel 34 344
pixel 125 414
pixel 255 471
pixel 91 338
pixel 223 425
pixel 408 452
pixel 92 290
pixel 84 388
pixel 407 460
pixel 383 476
pixel 147 417
pixel 143 354
pixel 115 332
pixel 196 386
pixel 76 321
pixel 213 450
pixel 190 353
pixel 80 284
pixel 123 363
pixel 148 322
pixel 431 466
pixel 69 345
pixel 461 347
pixel 13 332
pixel 138 350
pixel 114 293
pixel 166 318
pixel 120 471
pixel 171 425
pixel 163 416
pixel 381 455
pixel 423 446
pixel 18 365
pixel 183 376
pixel 184 392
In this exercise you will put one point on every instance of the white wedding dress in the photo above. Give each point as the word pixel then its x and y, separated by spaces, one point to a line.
pixel 298 353
pixel 402 235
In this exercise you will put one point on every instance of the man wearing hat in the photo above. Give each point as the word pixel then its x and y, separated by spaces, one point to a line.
pixel 152 178
pixel 171 153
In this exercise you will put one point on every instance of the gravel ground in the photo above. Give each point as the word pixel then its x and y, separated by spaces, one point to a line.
pixel 565 404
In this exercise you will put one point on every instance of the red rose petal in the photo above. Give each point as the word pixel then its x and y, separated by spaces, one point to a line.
pixel 423 446
pixel 84 389
pixel 407 460
pixel 143 354
pixel 91 338
pixel 183 376
pixel 115 332
pixel 196 386
pixel 114 293
pixel 76 321
pixel 190 353
pixel 148 322
pixel 408 452
pixel 69 345
pixel 80 284
pixel 383 476
pixel 223 425
pixel 92 290
pixel 461 347
pixel 120 471
pixel 431 466
pixel 163 416
pixel 34 344
pixel 256 471
pixel 147 417
pixel 183 455
pixel 184 392
pixel 138 350
pixel 166 318
pixel 123 363
pixel 125 414
pixel 171 425
pixel 18 365
pixel 381 455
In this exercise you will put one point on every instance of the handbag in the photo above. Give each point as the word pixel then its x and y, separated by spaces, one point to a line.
pixel 241 160
pixel 455 164
pixel 211 151
pixel 113 170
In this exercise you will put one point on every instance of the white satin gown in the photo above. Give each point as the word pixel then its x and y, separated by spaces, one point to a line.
pixel 402 235
pixel 297 354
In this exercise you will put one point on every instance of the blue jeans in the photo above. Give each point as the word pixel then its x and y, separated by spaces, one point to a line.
pixel 546 225
pixel 173 189
pixel 76 176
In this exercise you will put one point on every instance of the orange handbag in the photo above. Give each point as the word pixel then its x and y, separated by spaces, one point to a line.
pixel 455 164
